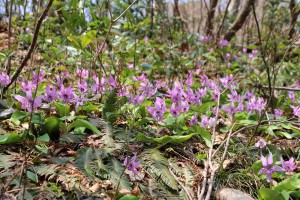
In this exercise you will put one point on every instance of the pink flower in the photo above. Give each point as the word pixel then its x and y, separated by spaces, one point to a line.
pixel 193 121
pixel 175 110
pixel 228 55
pixel 223 43
pixel 268 167
pixel 132 165
pixel 277 113
pixel 66 94
pixel 261 143
pixel 289 165
pixel 158 110
pixel 83 73
pixel 28 103
pixel 51 94
pixel 4 79
pixel 296 110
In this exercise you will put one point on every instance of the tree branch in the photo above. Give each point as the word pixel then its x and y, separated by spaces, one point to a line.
pixel 31 48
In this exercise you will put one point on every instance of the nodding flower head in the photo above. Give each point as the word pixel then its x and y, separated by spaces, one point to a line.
pixel 132 164
pixel 66 94
pixel 268 167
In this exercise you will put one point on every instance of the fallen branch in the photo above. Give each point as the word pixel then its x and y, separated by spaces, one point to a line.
pixel 277 88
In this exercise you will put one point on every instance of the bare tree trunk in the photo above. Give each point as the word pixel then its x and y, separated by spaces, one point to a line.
pixel 6 8
pixel 234 8
pixel 223 20
pixel 152 17
pixel 210 17
pixel 8 67
pixel 239 21
pixel 25 7
pixel 295 11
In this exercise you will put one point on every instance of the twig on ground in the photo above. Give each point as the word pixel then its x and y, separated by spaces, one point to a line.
pixel 184 188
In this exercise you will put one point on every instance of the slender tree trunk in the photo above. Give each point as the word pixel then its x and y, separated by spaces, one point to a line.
pixel 152 17
pixel 8 67
pixel 234 8
pixel 210 17
pixel 223 20
pixel 294 15
pixel 239 21
pixel 25 7
pixel 32 46
pixel 6 8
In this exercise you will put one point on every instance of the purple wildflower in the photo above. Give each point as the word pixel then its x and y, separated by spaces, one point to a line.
pixel 261 143
pixel 79 101
pixel 82 86
pixel 225 81
pixel 99 85
pixel 66 94
pixel 4 79
pixel 28 103
pixel 235 97
pixel 27 86
pixel 185 106
pixel 268 167
pixel 138 99
pixel 146 39
pixel 223 43
pixel 193 121
pixel 291 95
pixel 82 73
pixel 158 110
pixel 38 77
pixel 277 113
pixel 132 165
pixel 296 110
pixel 189 78
pixel 289 165
pixel 51 94
pixel 175 110
pixel 204 121
pixel 228 55
pixel 112 81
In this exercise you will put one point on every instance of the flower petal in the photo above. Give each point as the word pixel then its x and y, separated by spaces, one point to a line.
pixel 278 168
pixel 270 159
pixel 263 171
pixel 264 160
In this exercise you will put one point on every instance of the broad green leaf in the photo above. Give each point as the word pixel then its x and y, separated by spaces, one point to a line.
pixel 18 116
pixel 206 136
pixel 44 138
pixel 284 134
pixel 75 41
pixel 62 109
pixel 129 197
pixel 165 139
pixel 205 107
pixel 248 122
pixel 51 125
pixel 88 38
pixel 268 194
pixel 84 123
pixel 32 176
pixel 290 184
pixel 8 138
